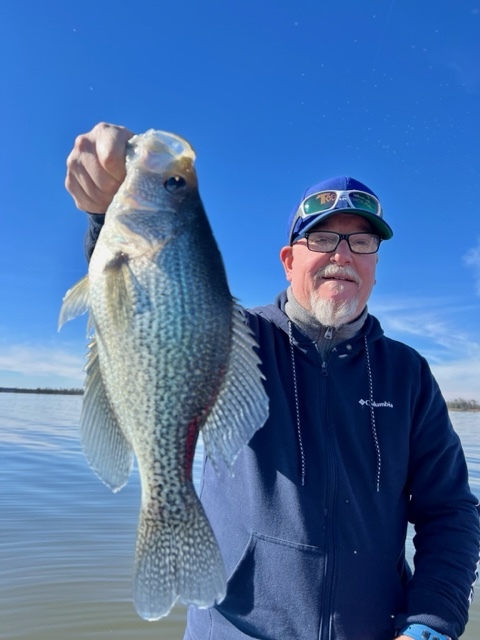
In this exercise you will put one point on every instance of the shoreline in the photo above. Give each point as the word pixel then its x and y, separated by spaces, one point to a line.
pixel 44 391
pixel 79 392
pixel 464 410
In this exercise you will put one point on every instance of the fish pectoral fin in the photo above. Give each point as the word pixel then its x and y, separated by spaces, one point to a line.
pixel 241 407
pixel 123 287
pixel 75 302
pixel 105 446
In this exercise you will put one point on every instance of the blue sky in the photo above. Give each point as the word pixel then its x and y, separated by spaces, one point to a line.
pixel 274 96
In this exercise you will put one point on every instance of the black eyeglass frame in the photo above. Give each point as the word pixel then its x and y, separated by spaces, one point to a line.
pixel 344 236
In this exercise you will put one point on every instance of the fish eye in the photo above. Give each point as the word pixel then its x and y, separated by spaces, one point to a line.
pixel 174 184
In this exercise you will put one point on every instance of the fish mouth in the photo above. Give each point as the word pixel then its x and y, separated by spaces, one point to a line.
pixel 159 151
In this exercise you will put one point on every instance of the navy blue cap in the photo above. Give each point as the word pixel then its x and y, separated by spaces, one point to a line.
pixel 298 226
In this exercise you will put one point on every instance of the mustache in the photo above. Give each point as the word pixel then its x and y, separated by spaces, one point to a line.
pixel 335 271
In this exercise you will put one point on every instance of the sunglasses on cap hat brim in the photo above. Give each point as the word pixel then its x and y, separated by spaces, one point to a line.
pixel 333 200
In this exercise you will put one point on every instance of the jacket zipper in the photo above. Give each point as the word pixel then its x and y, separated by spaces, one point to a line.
pixel 329 570
pixel 324 369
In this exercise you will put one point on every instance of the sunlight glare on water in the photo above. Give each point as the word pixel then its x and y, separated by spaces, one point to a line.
pixel 66 541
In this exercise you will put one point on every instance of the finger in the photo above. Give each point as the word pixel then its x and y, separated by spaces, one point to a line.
pixel 86 195
pixel 110 148
pixel 86 178
pixel 92 176
pixel 96 166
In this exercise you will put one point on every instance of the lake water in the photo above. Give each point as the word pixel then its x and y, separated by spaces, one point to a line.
pixel 66 541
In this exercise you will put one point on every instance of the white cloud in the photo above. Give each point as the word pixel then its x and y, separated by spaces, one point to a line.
pixel 35 365
pixel 459 379
pixel 432 326
pixel 472 259
pixel 434 322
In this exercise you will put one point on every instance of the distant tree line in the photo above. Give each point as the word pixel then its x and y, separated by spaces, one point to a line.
pixel 459 404
pixel 62 392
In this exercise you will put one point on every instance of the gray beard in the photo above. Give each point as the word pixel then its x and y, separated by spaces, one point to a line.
pixel 331 313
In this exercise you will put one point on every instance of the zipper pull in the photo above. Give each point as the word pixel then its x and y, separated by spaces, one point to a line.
pixel 328 333
pixel 324 368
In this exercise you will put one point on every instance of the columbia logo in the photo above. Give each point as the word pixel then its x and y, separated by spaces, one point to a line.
pixel 371 403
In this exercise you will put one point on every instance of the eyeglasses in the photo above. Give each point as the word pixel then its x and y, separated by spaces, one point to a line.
pixel 328 241
pixel 324 201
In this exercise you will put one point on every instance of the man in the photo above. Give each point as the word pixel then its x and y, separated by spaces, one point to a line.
pixel 312 526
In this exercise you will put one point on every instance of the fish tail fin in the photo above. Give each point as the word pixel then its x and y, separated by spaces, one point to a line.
pixel 176 558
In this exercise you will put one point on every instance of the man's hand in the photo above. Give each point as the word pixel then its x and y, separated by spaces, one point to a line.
pixel 96 166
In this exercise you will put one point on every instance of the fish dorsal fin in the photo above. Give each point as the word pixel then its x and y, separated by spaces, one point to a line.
pixel 241 407
pixel 105 446
pixel 75 302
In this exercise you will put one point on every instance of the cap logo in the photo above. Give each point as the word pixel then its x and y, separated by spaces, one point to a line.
pixel 327 196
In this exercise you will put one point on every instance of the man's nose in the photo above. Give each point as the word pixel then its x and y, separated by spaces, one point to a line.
pixel 342 254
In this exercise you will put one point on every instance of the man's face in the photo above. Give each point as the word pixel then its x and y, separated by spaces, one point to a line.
pixel 339 295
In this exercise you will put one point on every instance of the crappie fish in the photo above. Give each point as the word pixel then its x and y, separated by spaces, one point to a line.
pixel 170 356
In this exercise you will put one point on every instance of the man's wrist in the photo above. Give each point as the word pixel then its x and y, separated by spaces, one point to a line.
pixel 422 632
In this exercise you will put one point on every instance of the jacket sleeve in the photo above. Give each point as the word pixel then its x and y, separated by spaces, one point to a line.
pixel 95 224
pixel 444 513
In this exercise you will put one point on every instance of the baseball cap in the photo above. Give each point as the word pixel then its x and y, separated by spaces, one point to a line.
pixel 328 200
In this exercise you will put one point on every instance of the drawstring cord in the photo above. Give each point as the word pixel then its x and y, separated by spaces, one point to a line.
pixel 372 417
pixel 297 406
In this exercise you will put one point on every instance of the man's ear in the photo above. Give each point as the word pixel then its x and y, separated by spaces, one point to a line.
pixel 286 257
